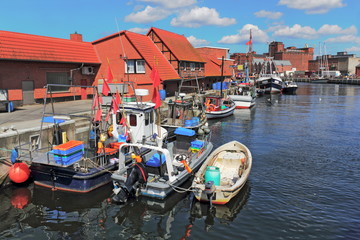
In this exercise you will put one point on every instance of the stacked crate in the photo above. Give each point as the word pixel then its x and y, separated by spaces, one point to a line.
pixel 69 152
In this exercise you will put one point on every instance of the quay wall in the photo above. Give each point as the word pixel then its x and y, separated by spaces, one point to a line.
pixel 334 81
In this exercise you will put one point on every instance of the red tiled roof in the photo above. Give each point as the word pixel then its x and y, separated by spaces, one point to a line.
pixel 152 55
pixel 178 45
pixel 21 46
pixel 213 66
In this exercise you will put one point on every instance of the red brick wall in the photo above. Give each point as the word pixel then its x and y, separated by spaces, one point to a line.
pixel 300 61
pixel 12 73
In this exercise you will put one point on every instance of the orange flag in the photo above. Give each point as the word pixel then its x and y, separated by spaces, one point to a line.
pixel 155 77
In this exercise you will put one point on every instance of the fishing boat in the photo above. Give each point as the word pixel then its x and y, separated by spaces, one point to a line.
pixel 186 113
pixel 160 168
pixel 72 165
pixel 268 81
pixel 218 106
pixel 289 87
pixel 244 95
pixel 223 173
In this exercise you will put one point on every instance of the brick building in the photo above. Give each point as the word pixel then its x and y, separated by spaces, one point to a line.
pixel 299 57
pixel 29 62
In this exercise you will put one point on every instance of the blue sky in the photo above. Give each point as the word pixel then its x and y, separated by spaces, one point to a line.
pixel 218 23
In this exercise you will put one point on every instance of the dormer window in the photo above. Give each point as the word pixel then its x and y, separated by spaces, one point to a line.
pixel 135 66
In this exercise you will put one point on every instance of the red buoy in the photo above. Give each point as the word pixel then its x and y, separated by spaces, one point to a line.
pixel 20 197
pixel 19 172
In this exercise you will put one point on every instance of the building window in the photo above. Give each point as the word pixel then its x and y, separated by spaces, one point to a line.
pixel 135 66
pixel 140 66
pixel 192 66
pixel 58 78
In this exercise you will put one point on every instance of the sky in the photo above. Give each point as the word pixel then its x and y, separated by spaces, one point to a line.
pixel 332 24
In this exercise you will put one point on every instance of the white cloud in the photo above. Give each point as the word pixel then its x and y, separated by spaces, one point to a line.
pixel 345 39
pixel 243 36
pixel 200 16
pixel 327 29
pixel 353 49
pixel 197 42
pixel 313 6
pixel 306 32
pixel 149 14
pixel 139 30
pixel 267 14
pixel 170 3
pixel 296 31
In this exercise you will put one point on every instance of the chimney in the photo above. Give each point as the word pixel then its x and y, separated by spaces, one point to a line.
pixel 76 37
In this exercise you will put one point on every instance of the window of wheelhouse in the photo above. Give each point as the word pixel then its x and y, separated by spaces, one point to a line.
pixel 147 118
pixel 133 120
pixel 151 117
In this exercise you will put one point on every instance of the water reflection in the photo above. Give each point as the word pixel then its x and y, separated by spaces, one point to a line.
pixel 224 213
pixel 70 214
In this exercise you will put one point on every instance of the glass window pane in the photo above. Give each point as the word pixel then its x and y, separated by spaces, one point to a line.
pixel 130 66
pixel 133 120
pixel 140 66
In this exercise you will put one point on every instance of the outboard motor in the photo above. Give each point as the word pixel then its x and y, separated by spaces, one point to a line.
pixel 137 174
pixel 209 190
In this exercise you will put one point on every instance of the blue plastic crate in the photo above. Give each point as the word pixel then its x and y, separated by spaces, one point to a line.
pixel 59 159
pixel 184 132
pixel 69 151
pixel 197 144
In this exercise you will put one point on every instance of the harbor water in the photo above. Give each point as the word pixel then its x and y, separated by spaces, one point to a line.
pixel 304 184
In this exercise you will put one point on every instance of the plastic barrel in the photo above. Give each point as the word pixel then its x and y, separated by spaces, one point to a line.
pixel 162 94
pixel 212 174
pixel 10 107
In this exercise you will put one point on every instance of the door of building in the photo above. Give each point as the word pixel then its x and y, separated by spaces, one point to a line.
pixel 28 92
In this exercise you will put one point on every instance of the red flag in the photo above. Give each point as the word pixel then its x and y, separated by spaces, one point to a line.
pixel 105 88
pixel 118 99
pixel 156 98
pixel 107 116
pixel 250 41
pixel 115 106
pixel 155 77
pixel 122 121
pixel 95 101
pixel 98 115
pixel 109 75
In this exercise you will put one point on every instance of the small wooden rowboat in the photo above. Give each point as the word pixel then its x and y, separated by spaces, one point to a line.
pixel 223 173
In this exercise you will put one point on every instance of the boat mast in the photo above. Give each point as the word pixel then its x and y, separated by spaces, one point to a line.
pixel 222 76
pixel 248 67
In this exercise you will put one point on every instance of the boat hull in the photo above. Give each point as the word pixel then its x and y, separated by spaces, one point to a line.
pixel 221 113
pixel 67 179
pixel 289 90
pixel 243 102
pixel 270 85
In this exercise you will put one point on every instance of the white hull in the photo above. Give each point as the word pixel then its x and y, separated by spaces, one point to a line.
pixel 243 101
pixel 221 113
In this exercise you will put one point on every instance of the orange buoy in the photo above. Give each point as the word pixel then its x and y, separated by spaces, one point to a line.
pixel 20 197
pixel 19 172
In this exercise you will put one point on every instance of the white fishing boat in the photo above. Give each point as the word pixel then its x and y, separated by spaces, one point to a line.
pixel 269 81
pixel 160 163
pixel 219 107
pixel 244 96
pixel 289 87
pixel 223 174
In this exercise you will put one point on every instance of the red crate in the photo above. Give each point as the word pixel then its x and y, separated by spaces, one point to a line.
pixel 68 145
